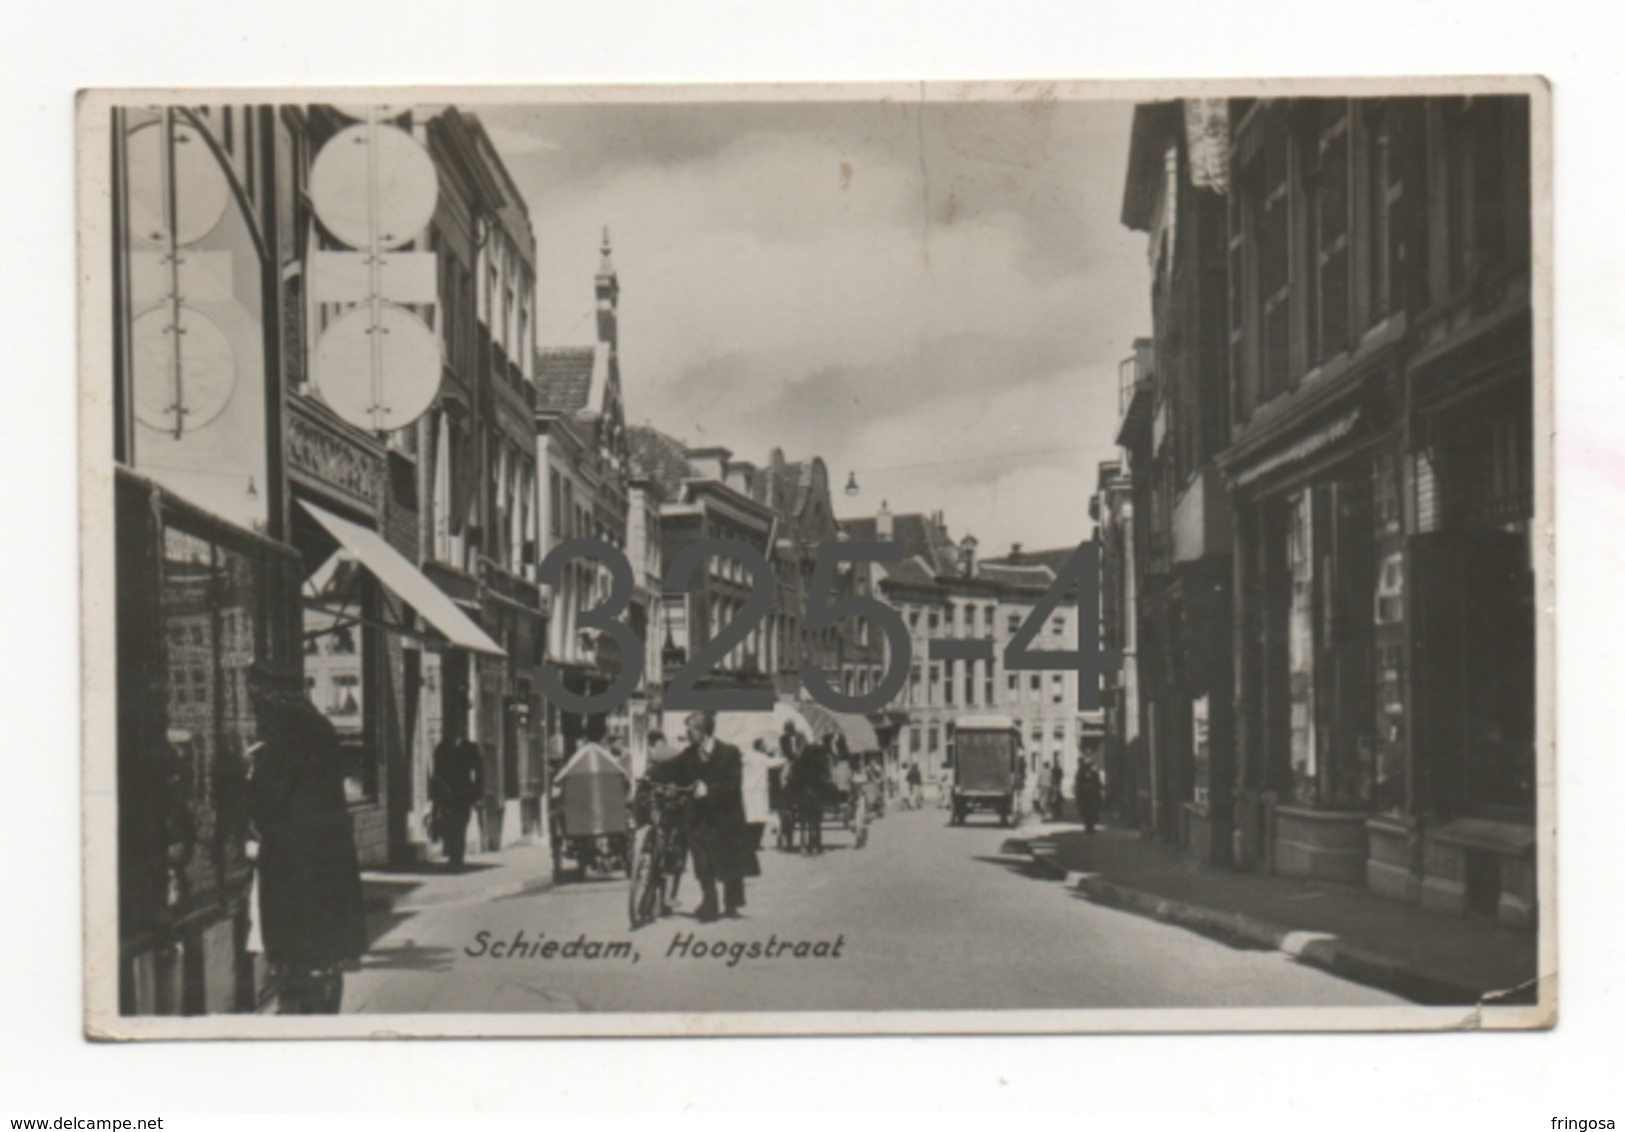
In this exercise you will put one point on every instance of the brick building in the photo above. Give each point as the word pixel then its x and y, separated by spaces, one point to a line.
pixel 1376 448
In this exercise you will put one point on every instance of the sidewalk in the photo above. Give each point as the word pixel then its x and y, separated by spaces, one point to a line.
pixel 485 876
pixel 1424 956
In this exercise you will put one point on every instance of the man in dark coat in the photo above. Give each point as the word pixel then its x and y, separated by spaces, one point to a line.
pixel 311 916
pixel 1089 790
pixel 456 784
pixel 717 835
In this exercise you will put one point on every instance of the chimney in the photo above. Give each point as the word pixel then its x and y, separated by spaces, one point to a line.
pixel 967 556
pixel 1015 554
pixel 609 292
pixel 883 523
pixel 710 463
pixel 742 478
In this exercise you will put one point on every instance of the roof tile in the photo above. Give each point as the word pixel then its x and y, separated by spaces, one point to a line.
pixel 564 378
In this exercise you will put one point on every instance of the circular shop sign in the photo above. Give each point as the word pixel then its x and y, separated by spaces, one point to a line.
pixel 408 368
pixel 199 185
pixel 397 205
pixel 189 388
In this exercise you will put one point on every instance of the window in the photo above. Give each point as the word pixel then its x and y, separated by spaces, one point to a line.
pixel 914 686
pixel 1057 687
pixel 914 740
pixel 948 685
pixel 936 678
pixel 1485 177
pixel 341 666
pixel 1013 685
pixel 1057 627
pixel 932 736
pixel 1274 253
pixel 987 688
pixel 1060 733
pixel 1382 195
pixel 343 696
pixel 1035 684
pixel 913 620
pixel 1014 624
pixel 1329 221
pixel 931 624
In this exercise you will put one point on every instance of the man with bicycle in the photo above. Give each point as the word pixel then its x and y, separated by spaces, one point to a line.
pixel 717 836
pixel 664 770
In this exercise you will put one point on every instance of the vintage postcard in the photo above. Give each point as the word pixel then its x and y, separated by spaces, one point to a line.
pixel 1046 557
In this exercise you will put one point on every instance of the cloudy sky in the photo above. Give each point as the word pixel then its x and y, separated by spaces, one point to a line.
pixel 932 295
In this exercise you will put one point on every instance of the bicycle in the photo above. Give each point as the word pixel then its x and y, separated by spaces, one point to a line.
pixel 657 849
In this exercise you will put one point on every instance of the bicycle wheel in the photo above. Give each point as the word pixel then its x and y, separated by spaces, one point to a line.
pixel 643 891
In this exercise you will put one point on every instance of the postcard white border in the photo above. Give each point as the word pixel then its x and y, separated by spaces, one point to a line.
pixel 101 1017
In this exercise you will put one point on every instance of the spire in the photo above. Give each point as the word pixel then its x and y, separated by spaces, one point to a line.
pixel 608 289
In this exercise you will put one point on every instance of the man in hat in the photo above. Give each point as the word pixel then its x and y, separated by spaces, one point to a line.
pixel 456 784
pixel 717 837
pixel 1090 789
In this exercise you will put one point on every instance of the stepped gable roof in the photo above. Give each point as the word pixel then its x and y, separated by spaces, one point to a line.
pixel 661 458
pixel 564 377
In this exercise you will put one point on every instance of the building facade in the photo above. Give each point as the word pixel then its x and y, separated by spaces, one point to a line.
pixel 1377 458
pixel 943 591
pixel 583 442
pixel 699 502
pixel 1174 426
pixel 1112 509
pixel 256 523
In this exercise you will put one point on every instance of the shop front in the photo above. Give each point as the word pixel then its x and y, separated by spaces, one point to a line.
pixel 1472 792
pixel 369 662
pixel 206 584
pixel 199 600
pixel 1317 534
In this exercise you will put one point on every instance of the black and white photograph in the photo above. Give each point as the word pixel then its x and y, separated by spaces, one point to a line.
pixel 853 559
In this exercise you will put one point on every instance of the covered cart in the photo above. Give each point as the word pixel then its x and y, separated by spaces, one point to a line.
pixel 590 820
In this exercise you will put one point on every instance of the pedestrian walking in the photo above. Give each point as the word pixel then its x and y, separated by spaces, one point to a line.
pixel 1057 789
pixel 783 800
pixel 1089 789
pixel 758 764
pixel 717 837
pixel 310 918
pixel 916 784
pixel 456 783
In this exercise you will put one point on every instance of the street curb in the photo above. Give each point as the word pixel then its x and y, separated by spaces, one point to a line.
pixel 496 891
pixel 1327 952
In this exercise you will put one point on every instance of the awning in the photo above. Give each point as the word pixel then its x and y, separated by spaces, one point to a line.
pixel 855 729
pixel 391 568
pixel 1301 450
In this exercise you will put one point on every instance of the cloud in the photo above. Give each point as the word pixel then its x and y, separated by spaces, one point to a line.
pixel 858 282
pixel 512 142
